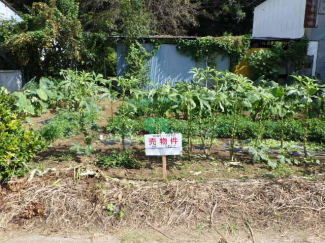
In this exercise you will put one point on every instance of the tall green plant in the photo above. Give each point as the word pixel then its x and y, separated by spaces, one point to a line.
pixel 308 102
pixel 127 87
pixel 237 87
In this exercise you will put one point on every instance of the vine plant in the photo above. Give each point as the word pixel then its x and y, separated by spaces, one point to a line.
pixel 206 48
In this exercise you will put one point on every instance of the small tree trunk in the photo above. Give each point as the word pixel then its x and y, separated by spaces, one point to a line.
pixel 233 134
pixel 282 132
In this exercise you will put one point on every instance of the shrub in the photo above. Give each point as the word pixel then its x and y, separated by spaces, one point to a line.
pixel 17 145
pixel 245 128
pixel 265 63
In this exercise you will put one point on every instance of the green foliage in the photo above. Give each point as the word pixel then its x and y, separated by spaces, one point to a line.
pixel 119 159
pixel 207 48
pixel 36 97
pixel 81 89
pixel 156 125
pixel 144 107
pixel 17 145
pixel 296 53
pixel 137 61
pixel 48 40
pixel 63 125
pixel 265 63
pixel 98 54
pixel 115 211
pixel 268 62
pixel 307 99
pixel 135 19
pixel 121 125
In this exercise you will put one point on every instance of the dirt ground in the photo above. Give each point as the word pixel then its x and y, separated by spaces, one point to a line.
pixel 129 235
pixel 67 198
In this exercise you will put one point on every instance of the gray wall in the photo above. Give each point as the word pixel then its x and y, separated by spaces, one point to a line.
pixel 318 34
pixel 168 64
pixel 11 80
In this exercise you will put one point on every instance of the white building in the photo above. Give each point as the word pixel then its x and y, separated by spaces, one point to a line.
pixel 7 12
pixel 10 79
pixel 292 19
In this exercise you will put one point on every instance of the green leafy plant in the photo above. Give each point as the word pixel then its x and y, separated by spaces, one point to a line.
pixel 17 145
pixel 64 125
pixel 237 90
pixel 151 126
pixel 306 93
pixel 119 159
pixel 206 48
pixel 266 63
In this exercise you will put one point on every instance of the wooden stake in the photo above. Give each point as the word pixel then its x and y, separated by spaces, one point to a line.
pixel 164 165
pixel 164 160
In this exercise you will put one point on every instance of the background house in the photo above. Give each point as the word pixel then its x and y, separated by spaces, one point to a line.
pixel 283 20
pixel 10 79
pixel 7 12
pixel 168 64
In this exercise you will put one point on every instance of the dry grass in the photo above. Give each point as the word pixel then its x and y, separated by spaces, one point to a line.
pixel 262 204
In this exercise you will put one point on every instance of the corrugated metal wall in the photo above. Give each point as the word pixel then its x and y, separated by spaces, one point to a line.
pixel 7 13
pixel 168 64
pixel 11 80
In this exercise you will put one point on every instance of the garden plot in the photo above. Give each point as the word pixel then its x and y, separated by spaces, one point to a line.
pixel 245 165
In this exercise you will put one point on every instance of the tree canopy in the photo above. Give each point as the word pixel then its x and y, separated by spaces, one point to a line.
pixel 61 34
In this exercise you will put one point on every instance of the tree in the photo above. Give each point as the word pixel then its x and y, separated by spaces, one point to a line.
pixel 48 40
pixel 171 17
pixel 219 17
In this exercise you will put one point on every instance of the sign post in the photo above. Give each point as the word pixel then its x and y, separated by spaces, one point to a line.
pixel 163 145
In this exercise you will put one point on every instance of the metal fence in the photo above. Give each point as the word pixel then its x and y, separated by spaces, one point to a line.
pixel 168 65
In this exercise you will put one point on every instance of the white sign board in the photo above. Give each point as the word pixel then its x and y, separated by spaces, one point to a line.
pixel 163 144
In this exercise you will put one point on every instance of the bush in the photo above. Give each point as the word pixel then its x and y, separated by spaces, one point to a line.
pixel 123 159
pixel 17 145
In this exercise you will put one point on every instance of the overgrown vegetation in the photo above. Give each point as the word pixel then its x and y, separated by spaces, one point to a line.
pixel 268 62
pixel 207 48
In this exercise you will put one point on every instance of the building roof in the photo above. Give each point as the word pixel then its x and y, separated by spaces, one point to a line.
pixel 255 3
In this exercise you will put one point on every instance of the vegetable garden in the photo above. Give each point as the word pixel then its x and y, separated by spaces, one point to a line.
pixel 262 120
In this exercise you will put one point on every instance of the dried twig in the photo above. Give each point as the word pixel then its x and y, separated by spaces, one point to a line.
pixel 250 230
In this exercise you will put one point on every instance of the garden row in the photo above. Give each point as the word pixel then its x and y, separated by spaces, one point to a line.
pixel 214 105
